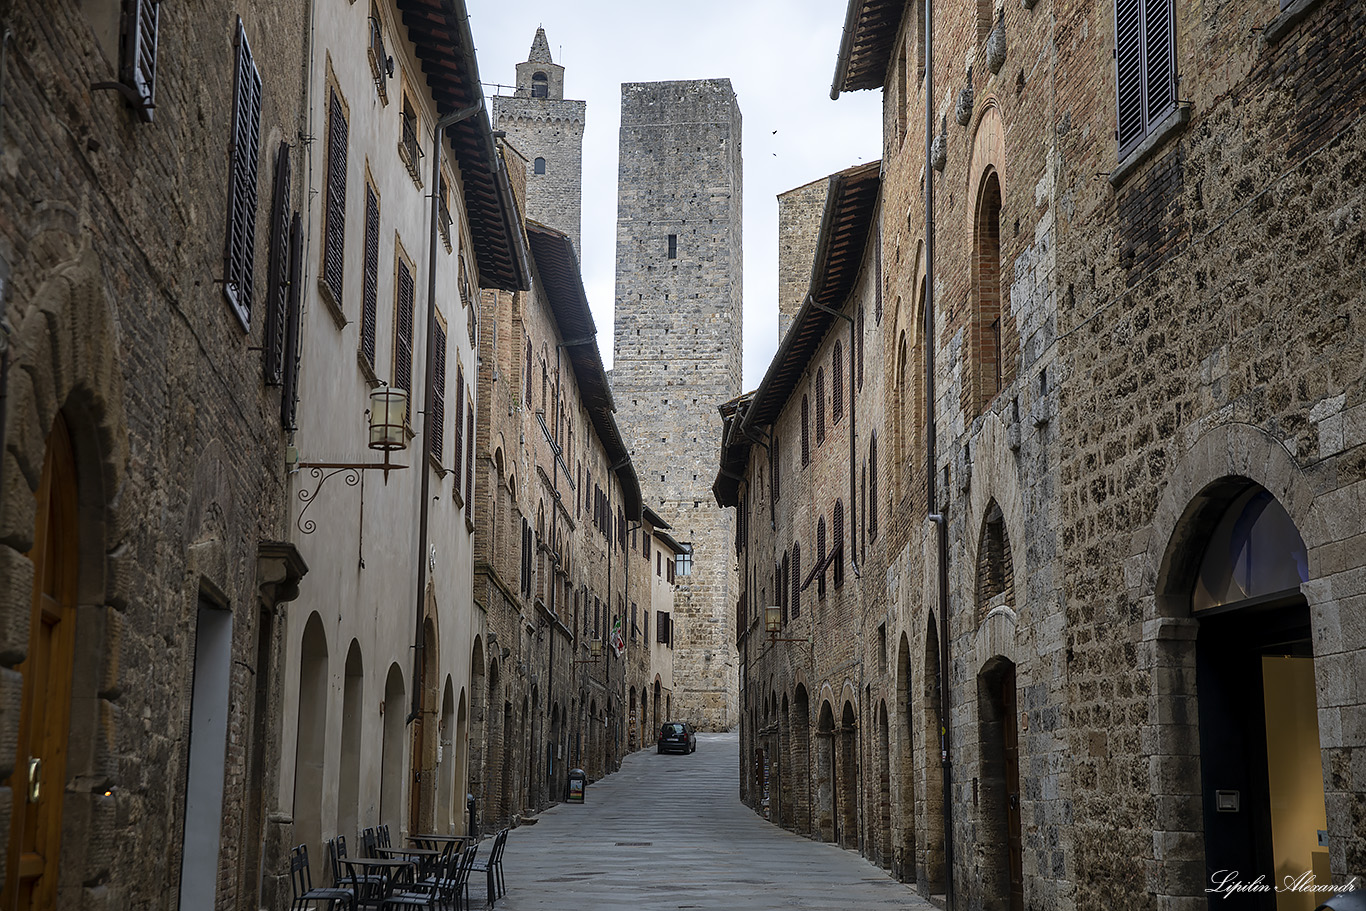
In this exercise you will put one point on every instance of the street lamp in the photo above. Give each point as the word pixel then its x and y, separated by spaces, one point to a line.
pixel 594 652
pixel 388 420
pixel 773 624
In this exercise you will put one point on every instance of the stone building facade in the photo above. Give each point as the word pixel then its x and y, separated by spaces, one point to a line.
pixel 547 129
pixel 144 585
pixel 1139 437
pixel 677 350
pixel 799 224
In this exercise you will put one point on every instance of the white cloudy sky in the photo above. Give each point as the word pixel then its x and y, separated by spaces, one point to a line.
pixel 778 54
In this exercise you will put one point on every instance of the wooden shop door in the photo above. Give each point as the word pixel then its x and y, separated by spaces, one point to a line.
pixel 45 710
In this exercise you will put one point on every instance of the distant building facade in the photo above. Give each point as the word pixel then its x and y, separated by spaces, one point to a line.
pixel 1122 418
pixel 677 350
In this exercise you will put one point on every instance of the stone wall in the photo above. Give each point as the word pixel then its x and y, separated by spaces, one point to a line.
pixel 799 223
pixel 678 350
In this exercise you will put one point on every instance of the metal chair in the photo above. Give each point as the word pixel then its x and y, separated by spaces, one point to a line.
pixel 492 867
pixel 368 843
pixel 383 832
pixel 337 856
pixel 301 884
pixel 458 888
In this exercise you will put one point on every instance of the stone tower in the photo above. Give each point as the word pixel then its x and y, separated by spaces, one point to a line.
pixel 678 353
pixel 548 130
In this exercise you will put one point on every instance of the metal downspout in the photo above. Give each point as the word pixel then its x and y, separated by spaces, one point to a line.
pixel 946 763
pixel 438 135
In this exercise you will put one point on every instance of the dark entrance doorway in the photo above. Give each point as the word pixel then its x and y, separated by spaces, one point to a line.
pixel 1000 787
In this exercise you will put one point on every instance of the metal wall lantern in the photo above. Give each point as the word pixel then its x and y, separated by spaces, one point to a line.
pixel 388 420
pixel 773 624
pixel 594 651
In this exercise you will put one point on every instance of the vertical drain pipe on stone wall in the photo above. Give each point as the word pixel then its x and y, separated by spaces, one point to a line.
pixel 939 519
pixel 429 357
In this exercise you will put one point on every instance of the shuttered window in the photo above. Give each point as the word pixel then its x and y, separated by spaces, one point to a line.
pixel 459 423
pixel 796 581
pixel 872 487
pixel 139 65
pixel 437 435
pixel 403 330
pixel 861 345
pixel 820 405
pixel 820 557
pixel 334 202
pixel 1145 68
pixel 469 460
pixel 289 394
pixel 776 483
pixel 370 281
pixel 240 248
pixel 877 285
pixel 526 372
pixel 806 433
pixel 837 384
pixel 277 284
pixel 837 555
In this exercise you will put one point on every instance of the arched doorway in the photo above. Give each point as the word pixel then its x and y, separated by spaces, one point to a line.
pixel 999 845
pixel 848 777
pixel 458 774
pixel 800 763
pixel 310 745
pixel 933 783
pixel 884 775
pixel 422 794
pixel 31 866
pixel 784 753
pixel 348 781
pixel 391 750
pixel 824 823
pixel 479 720
pixel 447 767
pixel 1260 761
pixel 903 860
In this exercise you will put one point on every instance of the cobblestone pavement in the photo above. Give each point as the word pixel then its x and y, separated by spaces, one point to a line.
pixel 669 832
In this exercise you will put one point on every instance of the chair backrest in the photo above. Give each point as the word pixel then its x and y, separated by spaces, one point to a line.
pixel 466 863
pixel 384 836
pixel 300 878
pixel 334 853
pixel 368 843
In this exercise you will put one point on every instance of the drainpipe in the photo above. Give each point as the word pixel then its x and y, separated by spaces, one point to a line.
pixel 941 525
pixel 438 135
pixel 853 454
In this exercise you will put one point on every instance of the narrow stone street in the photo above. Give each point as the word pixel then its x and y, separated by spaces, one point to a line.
pixel 669 832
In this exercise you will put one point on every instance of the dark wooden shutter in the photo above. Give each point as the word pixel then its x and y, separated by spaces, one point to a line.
pixel 820 406
pixel 240 249
pixel 370 282
pixel 459 453
pixel 820 556
pixel 773 451
pixel 1129 72
pixel 861 345
pixel 837 555
pixel 527 373
pixel 836 384
pixel 277 278
pixel 1159 59
pixel 469 461
pixel 877 288
pixel 437 434
pixel 403 331
pixel 289 395
pixel 806 433
pixel 796 581
pixel 139 65
pixel 334 213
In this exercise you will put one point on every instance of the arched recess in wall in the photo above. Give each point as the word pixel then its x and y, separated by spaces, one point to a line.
pixel 848 777
pixel 391 776
pixel 459 774
pixel 311 743
pixel 995 570
pixel 903 855
pixel 479 722
pixel 785 814
pixel 447 768
pixel 989 369
pixel 902 402
pixel 426 727
pixel 348 777
pixel 931 869
pixel 884 782
pixel 825 774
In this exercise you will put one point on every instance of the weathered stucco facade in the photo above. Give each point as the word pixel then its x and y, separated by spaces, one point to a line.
pixel 1146 365
pixel 678 349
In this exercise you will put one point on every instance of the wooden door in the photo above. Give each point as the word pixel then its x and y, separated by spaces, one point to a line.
pixel 1011 744
pixel 45 711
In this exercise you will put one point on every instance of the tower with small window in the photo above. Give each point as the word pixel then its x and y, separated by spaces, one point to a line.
pixel 547 131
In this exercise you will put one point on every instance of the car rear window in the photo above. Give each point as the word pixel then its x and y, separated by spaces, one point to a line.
pixel 673 729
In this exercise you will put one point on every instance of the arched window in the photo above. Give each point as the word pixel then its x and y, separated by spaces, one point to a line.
pixel 986 322
pixel 540 85
pixel 838 544
pixel 539 165
pixel 1255 551
pixel 820 557
pixel 995 569
pixel 820 405
pixel 785 585
pixel 872 487
pixel 796 580
pixel 837 384
pixel 806 433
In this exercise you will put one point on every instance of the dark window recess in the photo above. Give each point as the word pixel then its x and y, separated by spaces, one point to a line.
pixel 459 421
pixel 289 395
pixel 1145 68
pixel 540 85
pixel 664 628
pixel 403 332
pixel 872 487
pixel 820 557
pixel 806 433
pixel 444 224
pixel 527 373
pixel 240 249
pixel 539 165
pixel 370 279
pixel 334 203
pixel 673 246
pixel 820 405
pixel 785 585
pixel 837 384
pixel 436 435
pixel 469 461
pixel 837 555
pixel 138 57
pixel 277 272
pixel 796 581
pixel 877 284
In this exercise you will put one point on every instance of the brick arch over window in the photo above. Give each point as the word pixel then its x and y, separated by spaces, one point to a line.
pixel 995 570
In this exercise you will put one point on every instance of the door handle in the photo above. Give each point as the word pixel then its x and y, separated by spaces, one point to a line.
pixel 35 779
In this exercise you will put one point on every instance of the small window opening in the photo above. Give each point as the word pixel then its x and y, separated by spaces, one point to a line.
pixel 673 246
pixel 539 165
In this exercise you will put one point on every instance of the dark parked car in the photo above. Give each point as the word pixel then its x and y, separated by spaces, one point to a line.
pixel 676 737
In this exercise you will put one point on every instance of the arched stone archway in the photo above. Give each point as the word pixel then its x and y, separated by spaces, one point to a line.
pixel 824 823
pixel 310 753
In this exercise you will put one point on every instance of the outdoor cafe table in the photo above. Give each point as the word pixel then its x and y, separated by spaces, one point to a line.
pixel 423 856
pixel 426 839
pixel 387 867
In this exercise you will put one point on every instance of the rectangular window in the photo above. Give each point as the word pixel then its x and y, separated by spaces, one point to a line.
pixel 663 628
pixel 469 459
pixel 1145 68
pixel 404 291
pixel 443 197
pixel 683 562
pixel 369 298
pixel 138 66
pixel 409 148
pixel 459 422
pixel 436 442
pixel 240 249
pixel 334 203
pixel 673 246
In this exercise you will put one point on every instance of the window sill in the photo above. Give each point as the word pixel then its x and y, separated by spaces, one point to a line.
pixel 366 370
pixel 1172 124
pixel 333 305
pixel 1287 19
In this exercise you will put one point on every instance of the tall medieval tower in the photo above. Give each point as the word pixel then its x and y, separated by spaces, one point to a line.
pixel 677 353
pixel 547 129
